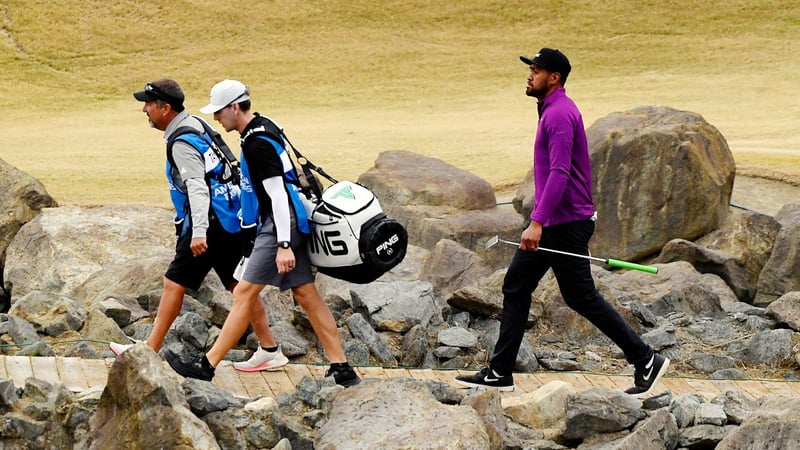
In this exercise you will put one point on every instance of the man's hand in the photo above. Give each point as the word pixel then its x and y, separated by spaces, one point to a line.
pixel 531 237
pixel 198 246
pixel 285 260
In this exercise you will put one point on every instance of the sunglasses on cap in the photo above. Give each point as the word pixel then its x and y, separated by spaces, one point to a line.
pixel 155 92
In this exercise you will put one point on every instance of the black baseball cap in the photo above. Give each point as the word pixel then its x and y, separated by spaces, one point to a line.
pixel 550 59
pixel 165 90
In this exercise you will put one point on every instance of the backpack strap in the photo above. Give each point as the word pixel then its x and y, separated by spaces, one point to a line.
pixel 176 135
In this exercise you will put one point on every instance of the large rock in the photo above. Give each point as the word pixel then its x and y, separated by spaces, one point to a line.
pixel 774 425
pixel 62 247
pixel 737 252
pixel 705 260
pixel 398 413
pixel 435 201
pixel 781 274
pixel 22 197
pixel 144 407
pixel 658 174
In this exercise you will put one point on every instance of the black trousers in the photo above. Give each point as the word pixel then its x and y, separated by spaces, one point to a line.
pixel 575 282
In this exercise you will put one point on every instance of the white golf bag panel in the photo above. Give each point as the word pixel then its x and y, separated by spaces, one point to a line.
pixel 351 238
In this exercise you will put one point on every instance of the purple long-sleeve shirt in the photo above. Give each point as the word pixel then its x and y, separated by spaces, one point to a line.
pixel 562 171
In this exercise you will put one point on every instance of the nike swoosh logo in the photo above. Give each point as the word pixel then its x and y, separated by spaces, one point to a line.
pixel 649 365
pixel 489 380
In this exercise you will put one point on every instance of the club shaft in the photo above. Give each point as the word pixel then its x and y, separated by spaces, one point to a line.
pixel 593 258
pixel 609 261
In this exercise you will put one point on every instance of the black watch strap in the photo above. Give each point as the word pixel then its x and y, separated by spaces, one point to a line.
pixel 284 244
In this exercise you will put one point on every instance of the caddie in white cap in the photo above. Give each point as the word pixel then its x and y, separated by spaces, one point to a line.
pixel 275 250
pixel 225 93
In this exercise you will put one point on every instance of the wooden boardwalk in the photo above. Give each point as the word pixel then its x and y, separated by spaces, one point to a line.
pixel 80 374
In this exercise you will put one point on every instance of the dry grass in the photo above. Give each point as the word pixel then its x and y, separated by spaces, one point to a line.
pixel 349 79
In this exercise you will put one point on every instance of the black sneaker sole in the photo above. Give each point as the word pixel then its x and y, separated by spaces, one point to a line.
pixel 481 387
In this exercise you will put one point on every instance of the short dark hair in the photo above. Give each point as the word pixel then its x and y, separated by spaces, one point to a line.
pixel 245 105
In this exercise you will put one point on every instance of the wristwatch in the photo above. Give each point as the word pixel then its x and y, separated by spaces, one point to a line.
pixel 285 244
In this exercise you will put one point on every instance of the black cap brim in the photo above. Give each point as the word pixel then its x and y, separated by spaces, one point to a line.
pixel 527 61
pixel 144 96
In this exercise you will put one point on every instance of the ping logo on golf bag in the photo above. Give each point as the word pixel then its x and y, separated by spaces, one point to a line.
pixel 352 239
pixel 326 242
pixel 387 245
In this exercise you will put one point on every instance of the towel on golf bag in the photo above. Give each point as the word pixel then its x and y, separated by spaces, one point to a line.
pixel 351 237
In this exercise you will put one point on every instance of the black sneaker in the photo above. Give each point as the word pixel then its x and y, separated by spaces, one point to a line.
pixel 487 379
pixel 646 376
pixel 190 366
pixel 343 374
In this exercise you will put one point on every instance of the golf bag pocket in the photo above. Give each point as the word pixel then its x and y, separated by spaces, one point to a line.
pixel 351 237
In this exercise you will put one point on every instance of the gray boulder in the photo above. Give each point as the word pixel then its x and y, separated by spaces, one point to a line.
pixel 780 274
pixel 62 247
pixel 22 197
pixel 600 410
pixel 775 425
pixel 143 407
pixel 359 418
pixel 678 178
pixel 436 201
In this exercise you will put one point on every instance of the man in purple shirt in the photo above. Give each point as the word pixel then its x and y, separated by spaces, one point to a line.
pixel 562 219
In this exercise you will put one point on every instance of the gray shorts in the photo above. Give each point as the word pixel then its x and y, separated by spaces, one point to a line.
pixel 261 268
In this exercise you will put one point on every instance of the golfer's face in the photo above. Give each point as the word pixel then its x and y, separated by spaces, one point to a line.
pixel 537 82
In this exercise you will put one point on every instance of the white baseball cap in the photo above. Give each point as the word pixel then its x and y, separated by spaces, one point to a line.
pixel 225 93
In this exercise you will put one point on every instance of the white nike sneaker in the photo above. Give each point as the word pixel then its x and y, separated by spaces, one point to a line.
pixel 262 360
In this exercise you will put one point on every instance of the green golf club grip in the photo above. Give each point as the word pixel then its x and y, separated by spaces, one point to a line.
pixel 630 265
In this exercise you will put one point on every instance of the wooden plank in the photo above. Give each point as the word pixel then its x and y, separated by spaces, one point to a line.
pixel 779 388
pixel 253 384
pixel 577 380
pixel 296 372
pixel 527 382
pixel 622 382
pixel 400 372
pixel 3 372
pixel 675 385
pixel 44 368
pixel 317 370
pixel 753 387
pixel 423 374
pixel 703 387
pixel 795 386
pixel 19 369
pixel 95 372
pixel 601 381
pixel 370 372
pixel 727 385
pixel 70 371
pixel 225 378
pixel 278 381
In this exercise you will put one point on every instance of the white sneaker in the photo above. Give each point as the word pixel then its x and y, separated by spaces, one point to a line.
pixel 118 348
pixel 262 360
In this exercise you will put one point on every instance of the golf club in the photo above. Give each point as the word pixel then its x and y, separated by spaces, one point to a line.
pixel 610 261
